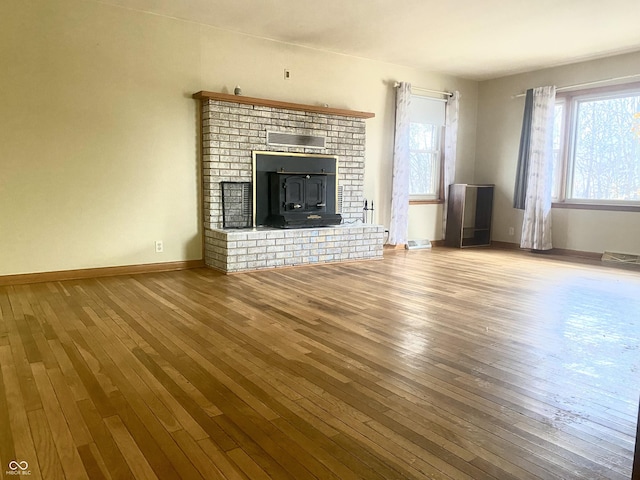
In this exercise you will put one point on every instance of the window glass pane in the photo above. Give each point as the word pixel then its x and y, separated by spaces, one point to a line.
pixel 424 146
pixel 422 136
pixel 606 153
pixel 423 173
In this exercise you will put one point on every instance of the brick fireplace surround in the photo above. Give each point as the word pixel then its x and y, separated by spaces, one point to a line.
pixel 233 127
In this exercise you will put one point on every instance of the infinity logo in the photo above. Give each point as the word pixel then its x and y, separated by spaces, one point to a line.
pixel 13 465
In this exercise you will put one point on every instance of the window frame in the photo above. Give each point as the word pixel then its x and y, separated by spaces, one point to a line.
pixel 438 197
pixel 570 101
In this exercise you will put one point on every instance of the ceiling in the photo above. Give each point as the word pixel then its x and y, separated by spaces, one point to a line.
pixel 475 39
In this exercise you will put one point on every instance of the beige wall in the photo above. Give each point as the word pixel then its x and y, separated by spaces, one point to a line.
pixel 97 137
pixel 98 131
pixel 498 134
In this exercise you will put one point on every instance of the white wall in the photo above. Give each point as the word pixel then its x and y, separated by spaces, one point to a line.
pixel 498 138
pixel 99 137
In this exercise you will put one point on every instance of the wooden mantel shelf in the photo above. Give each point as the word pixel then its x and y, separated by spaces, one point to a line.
pixel 203 95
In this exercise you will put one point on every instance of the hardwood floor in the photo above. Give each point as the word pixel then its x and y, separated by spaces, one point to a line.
pixel 459 364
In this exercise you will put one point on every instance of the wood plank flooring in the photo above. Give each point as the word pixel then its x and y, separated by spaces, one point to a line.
pixel 441 364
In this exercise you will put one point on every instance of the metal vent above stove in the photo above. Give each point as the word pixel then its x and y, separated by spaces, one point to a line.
pixel 295 140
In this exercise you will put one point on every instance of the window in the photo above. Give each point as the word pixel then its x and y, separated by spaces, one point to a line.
pixel 597 147
pixel 426 116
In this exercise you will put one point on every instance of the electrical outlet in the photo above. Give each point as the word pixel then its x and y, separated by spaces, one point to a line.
pixel 287 74
pixel 159 246
pixel 511 231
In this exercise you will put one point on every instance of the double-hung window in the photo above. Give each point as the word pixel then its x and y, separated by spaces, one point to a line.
pixel 426 131
pixel 597 147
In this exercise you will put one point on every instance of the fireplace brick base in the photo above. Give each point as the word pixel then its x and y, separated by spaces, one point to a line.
pixel 253 249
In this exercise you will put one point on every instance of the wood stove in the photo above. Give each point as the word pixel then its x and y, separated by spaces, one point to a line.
pixel 299 200
pixel 295 190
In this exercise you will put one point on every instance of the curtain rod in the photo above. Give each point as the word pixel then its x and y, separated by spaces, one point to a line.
pixel 439 92
pixel 586 84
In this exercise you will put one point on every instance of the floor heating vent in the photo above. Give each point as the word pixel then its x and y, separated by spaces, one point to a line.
pixel 417 244
pixel 622 258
